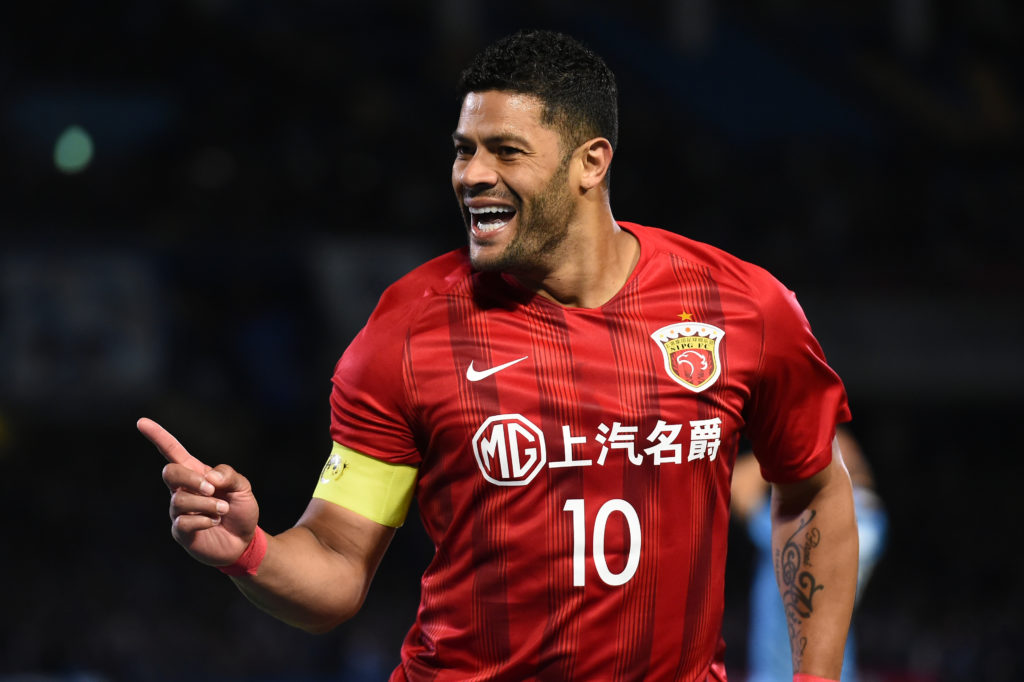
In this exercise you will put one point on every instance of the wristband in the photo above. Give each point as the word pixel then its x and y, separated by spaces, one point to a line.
pixel 804 677
pixel 251 558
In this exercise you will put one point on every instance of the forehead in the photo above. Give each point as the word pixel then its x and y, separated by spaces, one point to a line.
pixel 495 111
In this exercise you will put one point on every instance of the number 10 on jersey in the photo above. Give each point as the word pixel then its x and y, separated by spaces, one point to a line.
pixel 579 541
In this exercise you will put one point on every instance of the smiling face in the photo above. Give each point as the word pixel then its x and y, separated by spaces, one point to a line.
pixel 512 180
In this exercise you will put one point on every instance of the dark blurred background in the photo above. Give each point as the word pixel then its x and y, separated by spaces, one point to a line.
pixel 201 201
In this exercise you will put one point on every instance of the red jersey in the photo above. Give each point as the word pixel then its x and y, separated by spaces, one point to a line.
pixel 574 464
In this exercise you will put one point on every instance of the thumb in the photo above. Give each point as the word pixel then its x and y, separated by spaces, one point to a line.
pixel 227 480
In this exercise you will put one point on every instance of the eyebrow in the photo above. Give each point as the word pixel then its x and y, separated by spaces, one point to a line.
pixel 497 138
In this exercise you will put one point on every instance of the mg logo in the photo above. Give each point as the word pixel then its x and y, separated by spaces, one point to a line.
pixel 509 450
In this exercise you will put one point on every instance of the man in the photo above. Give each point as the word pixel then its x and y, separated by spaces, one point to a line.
pixel 564 398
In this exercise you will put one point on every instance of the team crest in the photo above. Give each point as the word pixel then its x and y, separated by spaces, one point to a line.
pixel 691 353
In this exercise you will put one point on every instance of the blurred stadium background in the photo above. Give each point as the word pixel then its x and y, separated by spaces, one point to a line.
pixel 201 200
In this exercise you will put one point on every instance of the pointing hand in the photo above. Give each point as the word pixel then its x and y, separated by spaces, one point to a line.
pixel 213 510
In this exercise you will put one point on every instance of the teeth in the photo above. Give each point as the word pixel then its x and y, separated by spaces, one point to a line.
pixel 497 217
pixel 490 227
pixel 489 209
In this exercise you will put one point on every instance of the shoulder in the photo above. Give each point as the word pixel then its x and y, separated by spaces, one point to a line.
pixel 411 295
pixel 434 278
pixel 408 303
pixel 721 265
pixel 372 368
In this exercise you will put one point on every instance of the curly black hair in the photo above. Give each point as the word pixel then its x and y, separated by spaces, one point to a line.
pixel 576 86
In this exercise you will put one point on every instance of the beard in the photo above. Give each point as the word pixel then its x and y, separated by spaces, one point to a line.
pixel 542 226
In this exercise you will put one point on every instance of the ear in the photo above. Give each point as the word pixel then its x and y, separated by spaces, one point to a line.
pixel 596 158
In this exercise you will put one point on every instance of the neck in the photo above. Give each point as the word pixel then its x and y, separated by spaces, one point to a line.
pixel 590 267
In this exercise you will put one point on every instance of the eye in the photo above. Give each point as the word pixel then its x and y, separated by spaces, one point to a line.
pixel 506 150
pixel 463 150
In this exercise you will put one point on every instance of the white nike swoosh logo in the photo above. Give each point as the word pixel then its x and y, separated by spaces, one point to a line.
pixel 477 375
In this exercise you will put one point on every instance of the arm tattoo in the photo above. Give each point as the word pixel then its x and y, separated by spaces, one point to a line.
pixel 797 582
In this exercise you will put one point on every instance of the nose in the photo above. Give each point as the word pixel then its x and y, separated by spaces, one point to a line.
pixel 476 171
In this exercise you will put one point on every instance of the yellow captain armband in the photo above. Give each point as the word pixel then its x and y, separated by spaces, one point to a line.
pixel 377 490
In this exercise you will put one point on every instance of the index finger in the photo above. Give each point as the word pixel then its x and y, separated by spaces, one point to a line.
pixel 169 446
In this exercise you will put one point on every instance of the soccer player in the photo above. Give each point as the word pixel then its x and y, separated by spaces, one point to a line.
pixel 564 399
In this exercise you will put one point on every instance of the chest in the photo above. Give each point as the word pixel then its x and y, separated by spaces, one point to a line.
pixel 655 382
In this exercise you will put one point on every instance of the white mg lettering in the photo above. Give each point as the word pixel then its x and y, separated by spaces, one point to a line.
pixel 519 467
pixel 497 448
pixel 489 446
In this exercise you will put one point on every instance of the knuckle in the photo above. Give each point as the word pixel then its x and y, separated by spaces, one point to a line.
pixel 177 500
pixel 184 502
pixel 225 470
pixel 175 475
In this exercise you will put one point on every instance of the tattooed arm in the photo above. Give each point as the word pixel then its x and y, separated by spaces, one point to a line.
pixel 814 545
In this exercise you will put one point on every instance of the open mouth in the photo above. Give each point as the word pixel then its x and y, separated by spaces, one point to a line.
pixel 490 218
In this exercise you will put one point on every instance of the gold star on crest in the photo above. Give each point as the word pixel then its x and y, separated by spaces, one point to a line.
pixel 685 316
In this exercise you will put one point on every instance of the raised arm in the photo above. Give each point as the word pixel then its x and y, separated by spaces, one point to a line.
pixel 313 576
pixel 814 544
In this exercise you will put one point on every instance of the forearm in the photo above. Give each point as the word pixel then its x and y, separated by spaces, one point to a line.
pixel 814 543
pixel 304 583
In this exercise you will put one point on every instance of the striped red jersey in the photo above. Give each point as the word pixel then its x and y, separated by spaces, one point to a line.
pixel 574 464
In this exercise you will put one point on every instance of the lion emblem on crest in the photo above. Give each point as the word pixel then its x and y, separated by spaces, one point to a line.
pixel 690 350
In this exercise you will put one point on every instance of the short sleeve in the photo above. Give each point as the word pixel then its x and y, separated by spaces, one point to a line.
pixel 370 410
pixel 797 400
